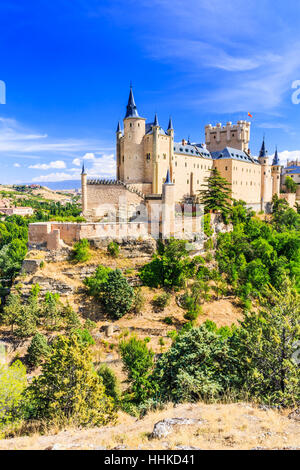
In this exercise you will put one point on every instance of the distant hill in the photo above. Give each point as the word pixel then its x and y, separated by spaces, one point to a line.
pixel 59 185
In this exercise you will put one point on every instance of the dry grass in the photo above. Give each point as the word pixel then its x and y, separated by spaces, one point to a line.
pixel 230 426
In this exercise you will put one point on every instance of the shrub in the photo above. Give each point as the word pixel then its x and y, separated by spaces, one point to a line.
pixel 113 249
pixel 168 320
pixel 12 384
pixel 161 301
pixel 37 350
pixel 170 267
pixel 138 364
pixel 118 295
pixel 194 367
pixel 81 251
pixel 110 382
pixel 138 301
pixel 95 283
pixel 69 390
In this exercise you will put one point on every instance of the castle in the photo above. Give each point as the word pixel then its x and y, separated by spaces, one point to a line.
pixel 156 179
pixel 145 153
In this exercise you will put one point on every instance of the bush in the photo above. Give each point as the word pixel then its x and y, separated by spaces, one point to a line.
pixel 138 301
pixel 81 251
pixel 118 295
pixel 96 282
pixel 161 301
pixel 138 364
pixel 110 382
pixel 69 389
pixel 195 367
pixel 168 320
pixel 12 384
pixel 113 249
pixel 37 350
pixel 170 267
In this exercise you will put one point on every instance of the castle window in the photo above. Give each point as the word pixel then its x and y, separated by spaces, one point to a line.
pixel 185 164
pixel 187 182
pixel 197 181
pixel 181 149
pixel 148 156
pixel 123 158
pixel 165 156
pixel 130 124
pixel 175 163
pixel 174 180
pixel 226 168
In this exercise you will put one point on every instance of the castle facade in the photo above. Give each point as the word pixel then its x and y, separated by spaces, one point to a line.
pixel 145 152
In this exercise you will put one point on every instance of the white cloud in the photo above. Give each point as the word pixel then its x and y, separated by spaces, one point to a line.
pixel 89 156
pixel 17 165
pixel 76 161
pixel 55 177
pixel 100 167
pixel 59 164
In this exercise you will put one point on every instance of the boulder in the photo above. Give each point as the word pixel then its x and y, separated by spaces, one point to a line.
pixel 295 415
pixel 30 266
pixel 166 426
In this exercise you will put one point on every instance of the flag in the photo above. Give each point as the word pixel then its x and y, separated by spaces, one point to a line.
pixel 250 115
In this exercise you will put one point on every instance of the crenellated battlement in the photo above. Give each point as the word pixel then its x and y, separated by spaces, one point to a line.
pixel 232 135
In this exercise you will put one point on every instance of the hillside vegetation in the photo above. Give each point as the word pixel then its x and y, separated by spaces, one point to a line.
pixel 96 337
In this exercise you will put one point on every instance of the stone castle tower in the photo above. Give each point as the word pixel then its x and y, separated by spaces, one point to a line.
pixel 235 136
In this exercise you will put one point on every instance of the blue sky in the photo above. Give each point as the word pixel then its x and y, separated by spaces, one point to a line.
pixel 67 66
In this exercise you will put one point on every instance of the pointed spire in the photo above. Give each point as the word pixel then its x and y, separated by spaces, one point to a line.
pixel 168 179
pixel 263 152
pixel 156 121
pixel 170 125
pixel 131 110
pixel 189 142
pixel 276 158
pixel 119 127
pixel 83 169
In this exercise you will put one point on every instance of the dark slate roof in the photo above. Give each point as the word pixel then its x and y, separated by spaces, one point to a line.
pixel 170 125
pixel 292 167
pixel 131 110
pixel 263 152
pixel 235 154
pixel 155 123
pixel 119 127
pixel 149 129
pixel 83 170
pixel 168 179
pixel 276 158
pixel 191 149
pixel 295 171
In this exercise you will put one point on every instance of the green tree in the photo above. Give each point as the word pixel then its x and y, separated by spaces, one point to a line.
pixel 268 346
pixel 118 295
pixel 138 364
pixel 12 384
pixel 195 367
pixel 110 382
pixel 38 350
pixel 69 390
pixel 113 249
pixel 216 196
pixel 290 184
pixel 95 282
pixel 81 251
pixel 170 267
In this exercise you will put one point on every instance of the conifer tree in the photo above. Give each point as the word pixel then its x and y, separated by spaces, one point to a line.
pixel 69 389
pixel 217 195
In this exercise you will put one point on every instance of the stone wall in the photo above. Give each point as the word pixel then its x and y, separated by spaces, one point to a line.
pixel 290 198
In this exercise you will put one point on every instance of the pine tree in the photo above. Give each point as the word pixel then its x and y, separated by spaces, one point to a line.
pixel 217 195
pixel 269 352
pixel 69 389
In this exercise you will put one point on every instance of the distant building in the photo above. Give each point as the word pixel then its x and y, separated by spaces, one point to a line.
pixel 23 211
